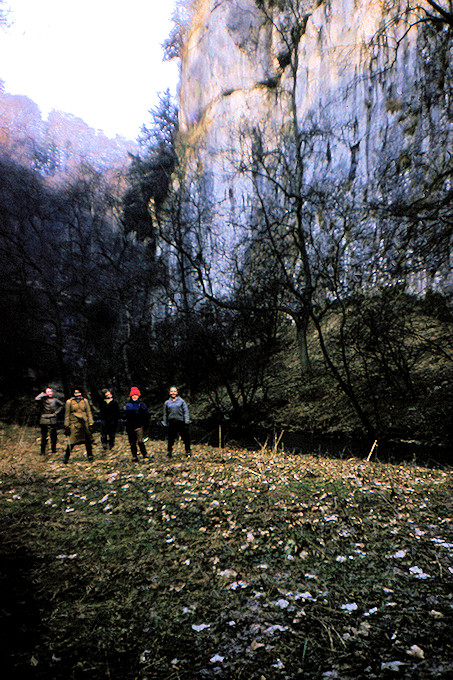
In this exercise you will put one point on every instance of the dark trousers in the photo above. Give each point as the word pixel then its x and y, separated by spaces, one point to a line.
pixel 136 437
pixel 108 435
pixel 53 437
pixel 177 428
pixel 88 447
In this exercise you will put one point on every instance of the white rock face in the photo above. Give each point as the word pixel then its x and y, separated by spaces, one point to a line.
pixel 226 51
pixel 371 104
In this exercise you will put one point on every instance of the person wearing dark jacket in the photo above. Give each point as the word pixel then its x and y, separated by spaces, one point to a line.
pixel 110 413
pixel 137 416
pixel 50 407
pixel 78 423
pixel 176 417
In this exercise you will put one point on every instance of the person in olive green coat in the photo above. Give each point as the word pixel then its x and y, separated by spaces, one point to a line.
pixel 78 422
pixel 49 407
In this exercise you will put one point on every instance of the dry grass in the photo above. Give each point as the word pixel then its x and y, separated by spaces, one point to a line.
pixel 229 564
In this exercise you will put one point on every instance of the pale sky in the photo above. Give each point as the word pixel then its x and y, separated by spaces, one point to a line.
pixel 100 60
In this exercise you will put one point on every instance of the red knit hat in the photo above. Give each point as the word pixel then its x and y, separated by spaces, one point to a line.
pixel 134 390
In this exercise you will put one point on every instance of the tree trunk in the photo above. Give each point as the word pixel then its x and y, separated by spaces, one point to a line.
pixel 344 384
pixel 302 347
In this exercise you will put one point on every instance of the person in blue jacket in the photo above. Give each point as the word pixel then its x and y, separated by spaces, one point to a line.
pixel 176 417
pixel 137 416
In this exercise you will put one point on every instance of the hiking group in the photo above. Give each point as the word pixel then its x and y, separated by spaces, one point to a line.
pixel 79 421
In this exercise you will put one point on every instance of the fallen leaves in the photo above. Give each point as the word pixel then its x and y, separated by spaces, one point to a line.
pixel 280 563
pixel 416 652
pixel 198 627
pixel 418 573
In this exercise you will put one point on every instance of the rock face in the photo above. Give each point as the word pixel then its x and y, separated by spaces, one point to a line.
pixel 368 86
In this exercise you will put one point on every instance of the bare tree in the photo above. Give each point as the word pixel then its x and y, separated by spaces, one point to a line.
pixel 316 242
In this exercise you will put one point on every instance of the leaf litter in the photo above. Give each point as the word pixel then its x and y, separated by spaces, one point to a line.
pixel 237 564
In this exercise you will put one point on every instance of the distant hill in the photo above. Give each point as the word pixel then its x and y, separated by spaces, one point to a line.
pixel 56 147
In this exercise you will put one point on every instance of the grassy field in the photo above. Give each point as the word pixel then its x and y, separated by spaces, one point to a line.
pixel 229 564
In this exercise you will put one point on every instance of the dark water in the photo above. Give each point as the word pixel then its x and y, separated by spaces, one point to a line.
pixel 328 445
pixel 316 444
pixel 388 451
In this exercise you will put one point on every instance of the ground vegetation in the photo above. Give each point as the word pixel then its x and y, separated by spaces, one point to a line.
pixel 229 564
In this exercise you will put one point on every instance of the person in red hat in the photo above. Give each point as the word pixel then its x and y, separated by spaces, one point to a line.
pixel 137 416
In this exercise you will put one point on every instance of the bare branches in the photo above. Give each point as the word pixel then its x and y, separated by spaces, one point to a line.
pixel 445 15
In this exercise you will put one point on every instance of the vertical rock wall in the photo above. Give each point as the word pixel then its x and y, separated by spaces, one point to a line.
pixel 374 90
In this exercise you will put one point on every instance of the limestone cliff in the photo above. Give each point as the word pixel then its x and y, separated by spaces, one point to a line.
pixel 367 84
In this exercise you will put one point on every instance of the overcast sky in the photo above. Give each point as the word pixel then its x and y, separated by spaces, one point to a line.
pixel 100 60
